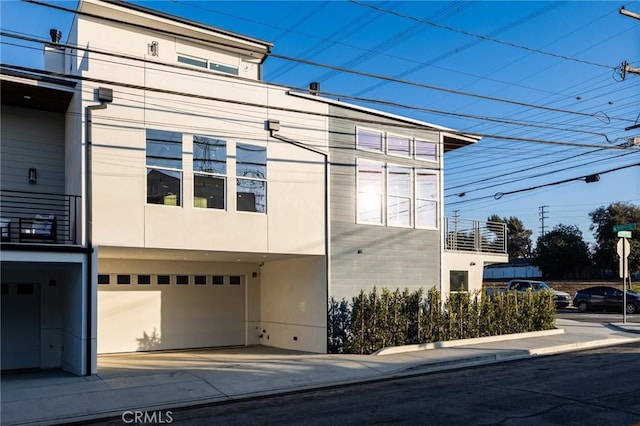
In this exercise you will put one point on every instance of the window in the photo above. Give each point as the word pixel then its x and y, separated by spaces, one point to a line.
pixel 369 139
pixel 235 280
pixel 190 60
pixel 223 68
pixel 209 172
pixel 399 145
pixel 459 280
pixel 205 63
pixel 218 279
pixel 370 191
pixel 182 280
pixel 164 167
pixel 164 279
pixel 425 150
pixel 200 280
pixel 144 279
pixel 251 182
pixel 426 199
pixel 123 279
pixel 399 196
pixel 104 279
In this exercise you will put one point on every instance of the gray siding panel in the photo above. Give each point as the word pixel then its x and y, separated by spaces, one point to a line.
pixel 32 139
pixel 391 257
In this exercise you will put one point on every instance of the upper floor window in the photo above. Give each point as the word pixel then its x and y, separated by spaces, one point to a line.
pixel 399 195
pixel 251 182
pixel 426 199
pixel 370 192
pixel 164 167
pixel 205 63
pixel 425 150
pixel 190 60
pixel 399 145
pixel 370 139
pixel 403 196
pixel 209 172
pixel 403 146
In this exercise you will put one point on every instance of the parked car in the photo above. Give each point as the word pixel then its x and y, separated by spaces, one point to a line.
pixel 560 298
pixel 606 299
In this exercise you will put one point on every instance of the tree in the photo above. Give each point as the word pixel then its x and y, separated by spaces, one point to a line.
pixel 518 237
pixel 562 253
pixel 604 219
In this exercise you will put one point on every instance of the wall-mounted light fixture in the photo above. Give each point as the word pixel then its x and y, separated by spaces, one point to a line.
pixel 472 264
pixel 154 48
pixel 33 176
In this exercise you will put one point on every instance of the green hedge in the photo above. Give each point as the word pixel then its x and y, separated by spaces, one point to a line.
pixel 376 320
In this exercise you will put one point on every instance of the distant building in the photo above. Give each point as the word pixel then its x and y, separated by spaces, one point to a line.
pixel 519 268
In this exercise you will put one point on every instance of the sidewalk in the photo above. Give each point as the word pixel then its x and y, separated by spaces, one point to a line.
pixel 165 380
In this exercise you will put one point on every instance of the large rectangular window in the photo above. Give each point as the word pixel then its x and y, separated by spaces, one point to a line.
pixel 426 199
pixel 399 196
pixel 251 182
pixel 164 167
pixel 370 139
pixel 370 192
pixel 209 172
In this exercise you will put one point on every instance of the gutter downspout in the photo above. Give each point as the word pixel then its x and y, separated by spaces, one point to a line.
pixel 272 133
pixel 88 236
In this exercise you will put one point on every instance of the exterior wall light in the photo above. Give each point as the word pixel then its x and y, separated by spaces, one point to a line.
pixel 33 176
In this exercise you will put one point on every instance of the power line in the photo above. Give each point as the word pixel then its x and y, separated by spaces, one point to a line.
pixel 204 72
pixel 538 175
pixel 338 68
pixel 328 94
pixel 457 30
pixel 499 195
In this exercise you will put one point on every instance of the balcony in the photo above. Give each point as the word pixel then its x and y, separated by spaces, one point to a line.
pixel 475 236
pixel 39 218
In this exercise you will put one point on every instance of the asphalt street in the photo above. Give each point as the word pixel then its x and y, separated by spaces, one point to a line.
pixel 593 387
pixel 599 317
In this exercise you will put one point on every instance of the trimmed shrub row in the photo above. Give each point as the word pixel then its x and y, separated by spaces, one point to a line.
pixel 376 320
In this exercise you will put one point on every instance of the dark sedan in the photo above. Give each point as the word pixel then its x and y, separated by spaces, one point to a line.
pixel 605 299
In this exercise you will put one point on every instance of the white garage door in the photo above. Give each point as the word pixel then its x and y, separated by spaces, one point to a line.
pixel 157 312
pixel 20 326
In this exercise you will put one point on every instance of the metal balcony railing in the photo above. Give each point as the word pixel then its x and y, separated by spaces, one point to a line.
pixel 474 235
pixel 37 217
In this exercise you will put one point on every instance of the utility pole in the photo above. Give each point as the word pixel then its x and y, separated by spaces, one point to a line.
pixel 542 213
pixel 624 66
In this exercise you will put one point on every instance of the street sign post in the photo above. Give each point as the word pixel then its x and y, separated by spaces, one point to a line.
pixel 623 248
pixel 625 227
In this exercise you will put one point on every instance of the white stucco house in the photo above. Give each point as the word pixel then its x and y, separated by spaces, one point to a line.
pixel 158 194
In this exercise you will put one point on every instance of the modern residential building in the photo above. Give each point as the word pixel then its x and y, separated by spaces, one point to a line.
pixel 178 201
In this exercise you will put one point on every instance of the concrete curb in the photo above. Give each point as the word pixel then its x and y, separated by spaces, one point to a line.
pixel 464 342
pixel 627 328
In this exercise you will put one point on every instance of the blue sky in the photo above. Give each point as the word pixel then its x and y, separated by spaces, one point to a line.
pixel 542 71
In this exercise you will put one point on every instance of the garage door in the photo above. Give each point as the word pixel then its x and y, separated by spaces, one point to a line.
pixel 158 312
pixel 20 326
